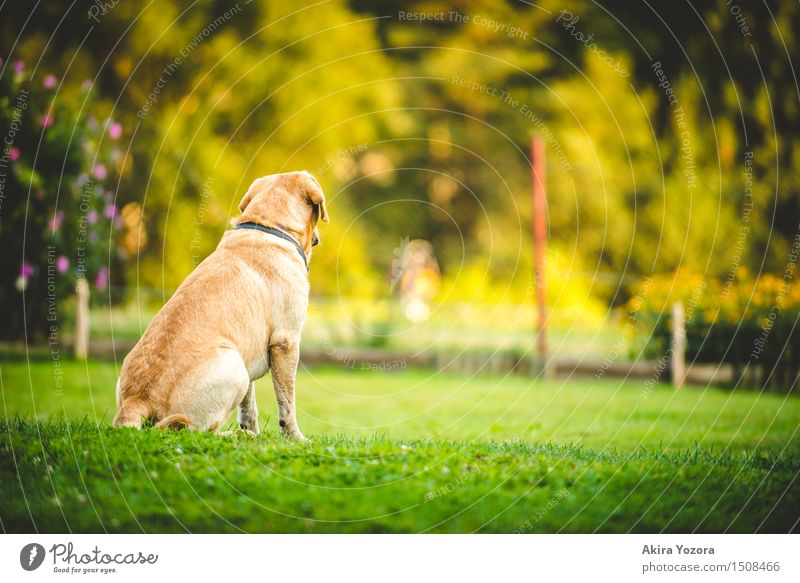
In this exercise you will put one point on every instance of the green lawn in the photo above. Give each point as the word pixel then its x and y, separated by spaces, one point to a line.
pixel 404 451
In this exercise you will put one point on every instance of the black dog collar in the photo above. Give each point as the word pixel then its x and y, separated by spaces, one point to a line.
pixel 278 233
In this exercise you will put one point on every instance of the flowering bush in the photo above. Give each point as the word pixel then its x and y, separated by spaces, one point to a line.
pixel 57 203
pixel 741 320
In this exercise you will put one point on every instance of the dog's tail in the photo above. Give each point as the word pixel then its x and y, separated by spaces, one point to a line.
pixel 131 413
pixel 176 421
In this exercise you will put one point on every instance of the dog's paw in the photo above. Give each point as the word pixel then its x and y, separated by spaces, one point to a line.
pixel 290 431
pixel 238 431
pixel 250 428
pixel 295 436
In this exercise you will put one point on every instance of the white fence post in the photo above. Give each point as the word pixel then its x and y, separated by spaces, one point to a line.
pixel 82 319
pixel 678 345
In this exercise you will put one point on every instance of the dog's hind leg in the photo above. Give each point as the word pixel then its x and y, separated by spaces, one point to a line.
pixel 212 393
pixel 248 411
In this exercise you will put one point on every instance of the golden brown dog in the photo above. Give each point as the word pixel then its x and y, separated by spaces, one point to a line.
pixel 238 315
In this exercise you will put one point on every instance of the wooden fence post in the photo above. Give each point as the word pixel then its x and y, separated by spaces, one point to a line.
pixel 82 319
pixel 539 232
pixel 678 345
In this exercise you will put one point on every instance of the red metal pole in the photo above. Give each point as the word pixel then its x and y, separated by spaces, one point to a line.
pixel 539 228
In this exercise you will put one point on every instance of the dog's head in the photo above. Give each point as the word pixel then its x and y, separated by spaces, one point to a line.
pixel 293 202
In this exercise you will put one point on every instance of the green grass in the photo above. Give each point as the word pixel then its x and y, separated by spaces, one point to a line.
pixel 404 451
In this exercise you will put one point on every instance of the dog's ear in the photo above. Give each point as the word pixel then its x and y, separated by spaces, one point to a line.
pixel 248 196
pixel 316 196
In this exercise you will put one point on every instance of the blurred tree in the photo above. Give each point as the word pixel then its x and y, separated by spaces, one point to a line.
pixel 636 184
pixel 420 129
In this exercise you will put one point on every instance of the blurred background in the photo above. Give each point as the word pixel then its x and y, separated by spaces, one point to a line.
pixel 131 131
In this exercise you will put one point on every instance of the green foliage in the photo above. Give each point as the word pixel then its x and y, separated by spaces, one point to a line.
pixel 421 130
pixel 58 171
pixel 266 92
pixel 636 185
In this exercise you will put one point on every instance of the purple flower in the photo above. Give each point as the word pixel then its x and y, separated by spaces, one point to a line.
pixel 101 281
pixel 93 238
pixel 50 81
pixel 47 121
pixel 19 66
pixel 91 217
pixel 110 211
pixel 26 270
pixel 115 130
pixel 99 171
pixel 14 154
pixel 62 264
pixel 55 223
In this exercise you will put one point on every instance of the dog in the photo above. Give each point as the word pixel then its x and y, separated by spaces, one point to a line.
pixel 238 315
